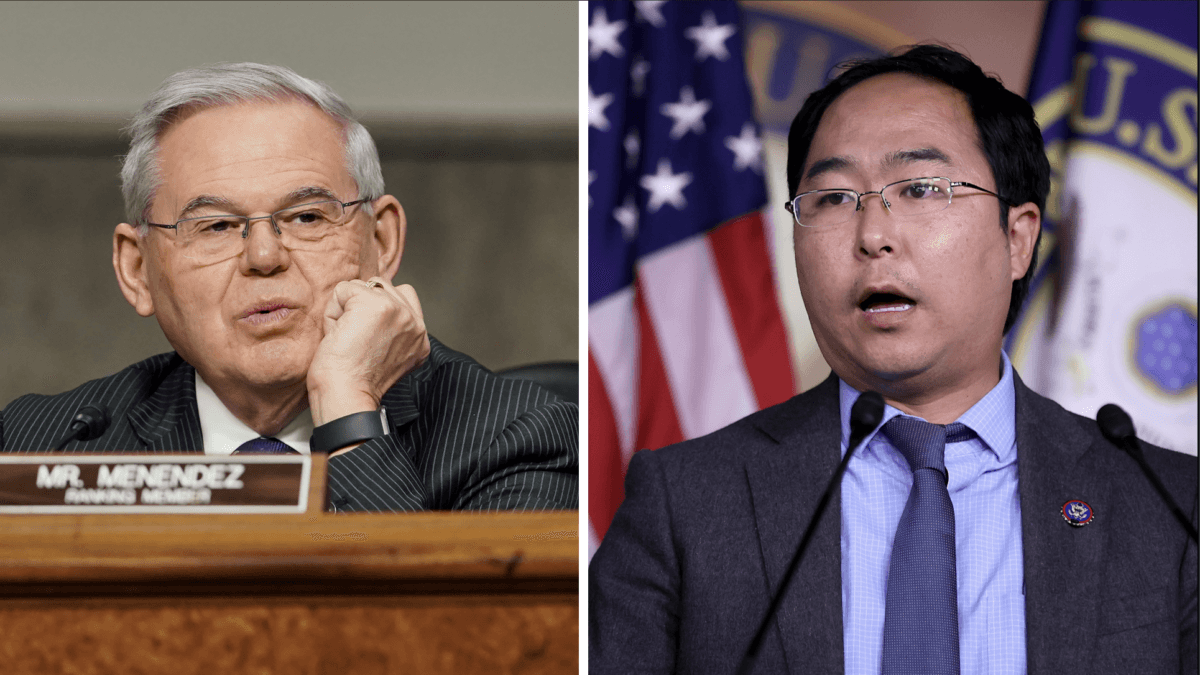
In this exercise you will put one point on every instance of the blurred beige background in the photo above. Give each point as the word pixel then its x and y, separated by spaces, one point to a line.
pixel 473 106
pixel 1000 36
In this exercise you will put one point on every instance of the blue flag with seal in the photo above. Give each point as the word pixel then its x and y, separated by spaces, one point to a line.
pixel 1112 314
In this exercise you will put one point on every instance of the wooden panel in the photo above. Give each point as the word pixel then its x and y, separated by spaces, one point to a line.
pixel 207 637
pixel 312 593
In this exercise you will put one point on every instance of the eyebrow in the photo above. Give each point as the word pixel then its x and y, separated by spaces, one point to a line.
pixel 310 191
pixel 891 161
pixel 202 201
pixel 297 195
pixel 902 157
pixel 829 164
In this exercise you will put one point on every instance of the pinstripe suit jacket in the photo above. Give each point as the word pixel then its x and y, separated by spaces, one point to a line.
pixel 709 526
pixel 461 438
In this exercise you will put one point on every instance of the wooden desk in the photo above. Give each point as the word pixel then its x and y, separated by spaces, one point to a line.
pixel 316 593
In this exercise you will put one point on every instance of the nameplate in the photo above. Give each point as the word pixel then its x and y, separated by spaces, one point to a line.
pixel 74 483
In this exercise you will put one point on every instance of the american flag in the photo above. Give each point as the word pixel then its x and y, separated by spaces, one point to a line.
pixel 684 330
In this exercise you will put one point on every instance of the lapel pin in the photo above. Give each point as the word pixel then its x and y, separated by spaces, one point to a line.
pixel 1077 513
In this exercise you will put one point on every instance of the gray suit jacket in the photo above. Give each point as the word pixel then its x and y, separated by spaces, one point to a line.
pixel 686 570
pixel 462 438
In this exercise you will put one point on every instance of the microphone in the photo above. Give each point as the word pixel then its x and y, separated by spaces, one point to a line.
pixel 865 415
pixel 89 422
pixel 1117 427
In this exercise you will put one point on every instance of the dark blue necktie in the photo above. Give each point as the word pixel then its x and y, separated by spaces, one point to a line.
pixel 265 446
pixel 920 621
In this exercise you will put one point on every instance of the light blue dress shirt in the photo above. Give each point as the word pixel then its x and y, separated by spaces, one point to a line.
pixel 987 523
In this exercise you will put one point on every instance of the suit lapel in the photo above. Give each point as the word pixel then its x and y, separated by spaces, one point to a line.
pixel 786 479
pixel 168 420
pixel 1062 563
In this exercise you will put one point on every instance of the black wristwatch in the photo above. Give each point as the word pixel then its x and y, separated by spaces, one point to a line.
pixel 349 430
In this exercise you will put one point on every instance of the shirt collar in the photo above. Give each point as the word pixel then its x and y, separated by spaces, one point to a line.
pixel 222 432
pixel 993 418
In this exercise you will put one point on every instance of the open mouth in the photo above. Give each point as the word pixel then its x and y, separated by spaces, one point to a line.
pixel 885 302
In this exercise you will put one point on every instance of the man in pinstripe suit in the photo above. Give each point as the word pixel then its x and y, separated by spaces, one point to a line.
pixel 260 237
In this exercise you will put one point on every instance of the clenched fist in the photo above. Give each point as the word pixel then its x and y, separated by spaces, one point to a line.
pixel 374 335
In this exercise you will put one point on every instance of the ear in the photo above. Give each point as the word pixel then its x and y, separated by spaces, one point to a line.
pixel 1024 224
pixel 390 229
pixel 129 262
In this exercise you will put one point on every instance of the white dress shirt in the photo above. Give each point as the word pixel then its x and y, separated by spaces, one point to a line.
pixel 222 432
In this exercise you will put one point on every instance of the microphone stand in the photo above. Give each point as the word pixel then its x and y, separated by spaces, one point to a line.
pixel 865 415
pixel 1117 427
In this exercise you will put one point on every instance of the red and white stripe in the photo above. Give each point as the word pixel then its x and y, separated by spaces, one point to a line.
pixel 695 344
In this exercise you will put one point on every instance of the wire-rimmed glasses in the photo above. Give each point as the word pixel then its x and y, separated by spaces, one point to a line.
pixel 909 197
pixel 218 236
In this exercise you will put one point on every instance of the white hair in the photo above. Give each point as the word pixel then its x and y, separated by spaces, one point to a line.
pixel 226 84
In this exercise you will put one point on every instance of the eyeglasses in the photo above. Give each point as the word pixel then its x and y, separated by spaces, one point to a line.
pixel 212 238
pixel 911 197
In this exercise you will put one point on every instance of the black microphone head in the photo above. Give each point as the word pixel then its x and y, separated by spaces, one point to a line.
pixel 866 413
pixel 1115 423
pixel 94 420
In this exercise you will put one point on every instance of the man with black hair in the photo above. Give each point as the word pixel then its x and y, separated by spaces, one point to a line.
pixel 1020 540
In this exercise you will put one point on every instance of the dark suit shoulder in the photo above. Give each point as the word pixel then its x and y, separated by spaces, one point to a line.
pixel 1176 469
pixel 451 383
pixel 780 425
pixel 34 422
pixel 1163 460
pixel 699 524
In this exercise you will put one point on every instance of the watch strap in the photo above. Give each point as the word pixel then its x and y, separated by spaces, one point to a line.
pixel 348 430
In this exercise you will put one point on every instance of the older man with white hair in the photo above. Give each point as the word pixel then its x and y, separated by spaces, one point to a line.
pixel 260 237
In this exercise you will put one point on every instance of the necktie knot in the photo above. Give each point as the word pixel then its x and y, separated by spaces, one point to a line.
pixel 265 446
pixel 924 444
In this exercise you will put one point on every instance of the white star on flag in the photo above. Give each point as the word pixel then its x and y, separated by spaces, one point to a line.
pixel 633 145
pixel 688 113
pixel 710 38
pixel 596 106
pixel 747 149
pixel 666 187
pixel 604 36
pixel 626 214
pixel 637 73
pixel 668 202
pixel 650 11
